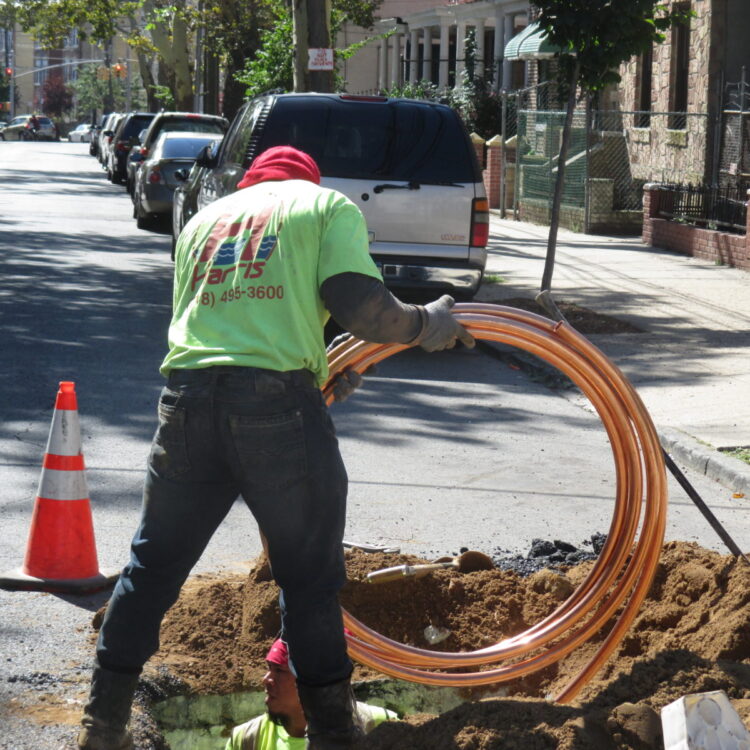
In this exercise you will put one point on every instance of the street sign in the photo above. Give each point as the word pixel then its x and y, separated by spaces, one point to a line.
pixel 320 58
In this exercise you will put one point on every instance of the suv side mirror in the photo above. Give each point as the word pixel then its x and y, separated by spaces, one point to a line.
pixel 181 174
pixel 206 157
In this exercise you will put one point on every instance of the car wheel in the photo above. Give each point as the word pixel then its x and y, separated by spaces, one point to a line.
pixel 23 136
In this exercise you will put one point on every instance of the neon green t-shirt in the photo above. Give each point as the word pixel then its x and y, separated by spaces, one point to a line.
pixel 248 270
pixel 261 733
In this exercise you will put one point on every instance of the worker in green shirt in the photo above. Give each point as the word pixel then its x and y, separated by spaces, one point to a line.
pixel 283 726
pixel 258 273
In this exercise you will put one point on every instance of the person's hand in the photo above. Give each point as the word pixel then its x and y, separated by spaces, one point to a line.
pixel 441 329
pixel 345 383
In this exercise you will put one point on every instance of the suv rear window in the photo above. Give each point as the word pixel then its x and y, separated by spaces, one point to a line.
pixel 191 126
pixel 394 140
pixel 135 124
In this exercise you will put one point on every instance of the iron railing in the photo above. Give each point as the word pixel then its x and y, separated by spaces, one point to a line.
pixel 712 207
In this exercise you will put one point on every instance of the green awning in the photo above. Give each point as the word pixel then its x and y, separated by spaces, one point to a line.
pixel 530 44
pixel 512 47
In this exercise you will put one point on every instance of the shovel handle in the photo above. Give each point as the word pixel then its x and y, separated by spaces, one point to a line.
pixel 405 571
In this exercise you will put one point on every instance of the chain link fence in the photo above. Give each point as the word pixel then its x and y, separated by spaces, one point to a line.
pixel 611 156
pixel 734 159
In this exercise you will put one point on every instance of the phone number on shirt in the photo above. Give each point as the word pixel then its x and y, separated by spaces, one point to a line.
pixel 237 293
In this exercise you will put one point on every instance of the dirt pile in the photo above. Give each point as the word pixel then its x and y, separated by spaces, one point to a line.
pixel 691 635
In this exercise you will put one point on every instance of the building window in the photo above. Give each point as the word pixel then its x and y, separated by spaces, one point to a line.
pixel 643 89
pixel 679 72
pixel 41 75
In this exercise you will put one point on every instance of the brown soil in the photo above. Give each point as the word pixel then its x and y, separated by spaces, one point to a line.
pixel 692 635
pixel 585 321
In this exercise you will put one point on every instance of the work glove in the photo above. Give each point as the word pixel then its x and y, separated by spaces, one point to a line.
pixel 440 329
pixel 346 382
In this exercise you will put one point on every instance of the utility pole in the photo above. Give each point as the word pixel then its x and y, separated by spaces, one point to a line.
pixel 109 99
pixel 312 31
pixel 11 58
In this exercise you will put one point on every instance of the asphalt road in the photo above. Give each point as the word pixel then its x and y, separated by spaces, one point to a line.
pixel 447 450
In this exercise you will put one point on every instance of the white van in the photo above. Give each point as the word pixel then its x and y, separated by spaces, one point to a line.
pixel 409 165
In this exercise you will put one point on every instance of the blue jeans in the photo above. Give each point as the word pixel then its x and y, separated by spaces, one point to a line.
pixel 264 435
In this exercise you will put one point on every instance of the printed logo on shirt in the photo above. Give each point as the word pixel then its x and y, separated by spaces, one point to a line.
pixel 232 244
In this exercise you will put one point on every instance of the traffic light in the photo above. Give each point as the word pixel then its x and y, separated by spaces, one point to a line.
pixel 9 72
pixel 118 69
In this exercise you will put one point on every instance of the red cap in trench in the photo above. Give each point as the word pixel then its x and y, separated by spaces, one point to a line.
pixel 279 653
pixel 281 163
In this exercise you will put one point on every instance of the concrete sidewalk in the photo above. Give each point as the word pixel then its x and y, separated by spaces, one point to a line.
pixel 691 364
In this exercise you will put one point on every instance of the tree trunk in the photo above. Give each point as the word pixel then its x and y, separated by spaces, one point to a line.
pixel 312 29
pixel 299 36
pixel 544 297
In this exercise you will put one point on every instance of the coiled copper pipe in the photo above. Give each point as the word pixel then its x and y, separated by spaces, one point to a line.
pixel 622 574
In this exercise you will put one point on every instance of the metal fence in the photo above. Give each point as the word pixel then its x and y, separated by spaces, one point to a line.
pixel 723 208
pixel 611 156
pixel 734 154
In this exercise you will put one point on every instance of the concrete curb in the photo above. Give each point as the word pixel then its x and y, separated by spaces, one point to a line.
pixel 727 471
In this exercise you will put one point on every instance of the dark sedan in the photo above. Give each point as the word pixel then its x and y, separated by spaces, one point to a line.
pixel 155 181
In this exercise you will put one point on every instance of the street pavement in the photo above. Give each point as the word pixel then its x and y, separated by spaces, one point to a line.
pixel 691 364
pixel 443 450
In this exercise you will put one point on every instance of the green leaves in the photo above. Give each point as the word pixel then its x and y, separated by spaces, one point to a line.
pixel 603 34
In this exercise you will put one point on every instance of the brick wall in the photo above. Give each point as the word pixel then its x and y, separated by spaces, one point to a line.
pixel 707 244
pixel 491 152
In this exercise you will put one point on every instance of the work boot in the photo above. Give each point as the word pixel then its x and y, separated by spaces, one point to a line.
pixel 106 715
pixel 330 710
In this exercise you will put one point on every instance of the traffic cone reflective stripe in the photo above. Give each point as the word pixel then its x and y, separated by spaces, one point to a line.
pixel 61 551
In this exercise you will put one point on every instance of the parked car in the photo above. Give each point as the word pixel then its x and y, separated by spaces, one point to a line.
pixel 106 135
pixel 409 165
pixel 155 181
pixel 95 133
pixel 184 200
pixel 125 137
pixel 20 129
pixel 81 133
pixel 186 122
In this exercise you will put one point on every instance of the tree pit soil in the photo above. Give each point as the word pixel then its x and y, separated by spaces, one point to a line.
pixel 585 321
pixel 691 635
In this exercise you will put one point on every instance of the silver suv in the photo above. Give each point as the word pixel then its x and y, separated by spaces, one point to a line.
pixel 409 165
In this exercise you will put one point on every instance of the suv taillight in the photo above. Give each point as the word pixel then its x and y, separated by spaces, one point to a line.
pixel 480 222
pixel 121 147
pixel 154 176
pixel 144 151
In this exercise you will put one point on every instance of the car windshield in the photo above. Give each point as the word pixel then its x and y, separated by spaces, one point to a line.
pixel 394 140
pixel 187 148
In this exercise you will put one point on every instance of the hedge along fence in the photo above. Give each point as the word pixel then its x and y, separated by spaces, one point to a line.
pixel 664 228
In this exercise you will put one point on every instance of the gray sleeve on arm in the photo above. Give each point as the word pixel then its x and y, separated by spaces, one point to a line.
pixel 363 306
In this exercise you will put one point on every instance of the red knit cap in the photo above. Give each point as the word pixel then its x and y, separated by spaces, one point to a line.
pixel 278 653
pixel 281 163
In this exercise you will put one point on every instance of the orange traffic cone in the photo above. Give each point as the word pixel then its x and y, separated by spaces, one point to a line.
pixel 60 552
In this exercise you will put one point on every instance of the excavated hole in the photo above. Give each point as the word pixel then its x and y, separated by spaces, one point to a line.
pixel 691 635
